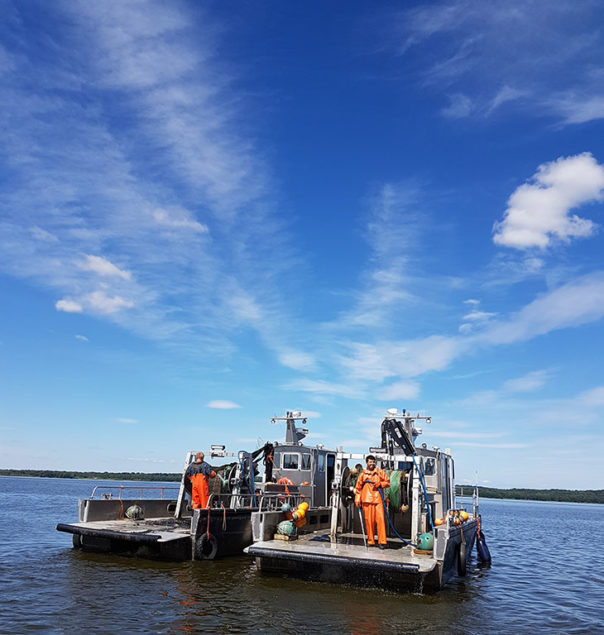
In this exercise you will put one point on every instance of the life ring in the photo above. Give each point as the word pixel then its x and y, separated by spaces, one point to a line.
pixel 206 547
pixel 284 481
pixel 461 559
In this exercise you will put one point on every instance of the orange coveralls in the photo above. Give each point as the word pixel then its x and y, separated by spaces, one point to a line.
pixel 366 493
pixel 198 474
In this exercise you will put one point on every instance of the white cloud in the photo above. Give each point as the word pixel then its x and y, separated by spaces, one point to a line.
pixel 103 267
pixel 475 316
pixel 593 397
pixel 101 302
pixel 322 388
pixel 297 360
pixel 540 210
pixel 177 219
pixel 460 106
pixel 69 306
pixel 41 234
pixel 82 338
pixel 311 414
pixel 401 358
pixel 220 404
pixel 398 390
pixel 527 383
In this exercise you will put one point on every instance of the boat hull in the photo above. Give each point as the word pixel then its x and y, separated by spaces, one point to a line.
pixel 400 568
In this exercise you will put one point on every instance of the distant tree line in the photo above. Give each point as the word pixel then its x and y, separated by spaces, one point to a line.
pixel 99 476
pixel 560 495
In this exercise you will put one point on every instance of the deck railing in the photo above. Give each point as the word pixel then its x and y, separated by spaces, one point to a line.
pixel 128 489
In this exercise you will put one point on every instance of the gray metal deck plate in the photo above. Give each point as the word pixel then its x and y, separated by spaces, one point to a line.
pixel 164 528
pixel 308 548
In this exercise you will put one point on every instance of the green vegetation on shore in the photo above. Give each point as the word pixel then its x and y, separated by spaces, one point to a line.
pixel 164 477
pixel 560 495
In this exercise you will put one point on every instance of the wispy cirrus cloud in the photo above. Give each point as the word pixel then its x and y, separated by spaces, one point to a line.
pixel 462 50
pixel 368 367
pixel 392 230
pixel 153 225
pixel 577 302
pixel 527 383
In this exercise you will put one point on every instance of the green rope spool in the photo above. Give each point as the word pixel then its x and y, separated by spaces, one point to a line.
pixel 286 528
pixel 393 493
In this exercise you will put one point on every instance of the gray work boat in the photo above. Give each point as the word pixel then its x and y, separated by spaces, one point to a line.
pixel 158 522
pixel 421 512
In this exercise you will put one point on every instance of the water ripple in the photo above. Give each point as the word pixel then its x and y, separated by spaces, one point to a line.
pixel 546 578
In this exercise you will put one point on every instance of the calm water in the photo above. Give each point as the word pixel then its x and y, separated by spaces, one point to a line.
pixel 547 576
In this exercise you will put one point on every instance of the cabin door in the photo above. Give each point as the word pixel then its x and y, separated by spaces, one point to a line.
pixel 331 466
pixel 318 491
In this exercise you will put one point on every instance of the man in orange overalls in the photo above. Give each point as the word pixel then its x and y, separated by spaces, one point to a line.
pixel 198 473
pixel 366 493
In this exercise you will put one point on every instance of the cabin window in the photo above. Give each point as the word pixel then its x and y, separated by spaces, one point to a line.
pixel 321 462
pixel 429 467
pixel 306 461
pixel 291 461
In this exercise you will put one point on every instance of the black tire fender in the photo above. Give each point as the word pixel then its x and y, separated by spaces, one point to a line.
pixel 206 547
pixel 461 559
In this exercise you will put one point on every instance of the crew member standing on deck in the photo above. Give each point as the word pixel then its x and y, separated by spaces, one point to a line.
pixel 199 473
pixel 367 494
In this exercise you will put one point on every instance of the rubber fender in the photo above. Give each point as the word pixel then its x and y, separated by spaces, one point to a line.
pixel 461 559
pixel 77 541
pixel 206 547
pixel 484 555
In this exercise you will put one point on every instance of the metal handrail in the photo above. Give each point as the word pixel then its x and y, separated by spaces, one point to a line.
pixel 227 498
pixel 280 498
pixel 121 488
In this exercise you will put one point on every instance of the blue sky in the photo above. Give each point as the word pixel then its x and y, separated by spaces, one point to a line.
pixel 214 212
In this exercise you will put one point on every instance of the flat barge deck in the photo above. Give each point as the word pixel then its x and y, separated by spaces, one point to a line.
pixel 314 556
